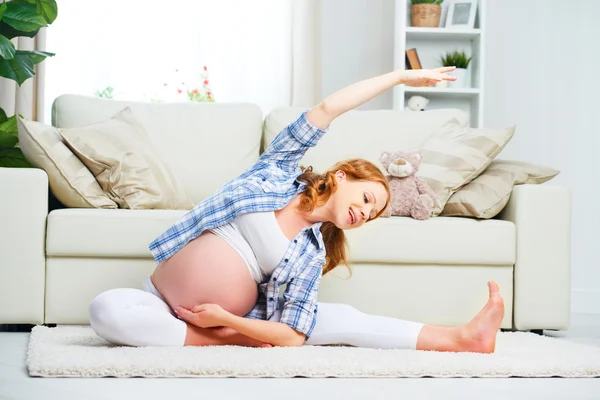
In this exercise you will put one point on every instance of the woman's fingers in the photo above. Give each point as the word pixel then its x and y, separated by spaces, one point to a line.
pixel 198 308
pixel 184 314
pixel 445 69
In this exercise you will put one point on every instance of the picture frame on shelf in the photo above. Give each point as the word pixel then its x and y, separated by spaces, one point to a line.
pixel 461 14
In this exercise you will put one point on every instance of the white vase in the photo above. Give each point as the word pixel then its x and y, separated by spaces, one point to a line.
pixel 462 78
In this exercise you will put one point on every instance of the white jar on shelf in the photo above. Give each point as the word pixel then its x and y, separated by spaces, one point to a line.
pixel 462 78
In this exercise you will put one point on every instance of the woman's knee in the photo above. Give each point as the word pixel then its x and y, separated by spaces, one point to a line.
pixel 107 312
pixel 105 305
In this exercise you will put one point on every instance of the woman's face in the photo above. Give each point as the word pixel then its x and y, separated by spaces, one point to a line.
pixel 355 202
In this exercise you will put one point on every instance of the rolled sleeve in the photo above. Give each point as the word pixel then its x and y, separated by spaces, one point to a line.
pixel 300 307
pixel 290 145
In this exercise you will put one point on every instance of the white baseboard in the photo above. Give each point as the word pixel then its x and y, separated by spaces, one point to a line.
pixel 585 301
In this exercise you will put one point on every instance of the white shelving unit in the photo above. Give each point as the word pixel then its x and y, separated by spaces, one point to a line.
pixel 431 44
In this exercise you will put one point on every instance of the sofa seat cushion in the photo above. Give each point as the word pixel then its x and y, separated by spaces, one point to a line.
pixel 440 240
pixel 106 233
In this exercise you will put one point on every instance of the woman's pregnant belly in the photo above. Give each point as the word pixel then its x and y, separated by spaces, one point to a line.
pixel 207 270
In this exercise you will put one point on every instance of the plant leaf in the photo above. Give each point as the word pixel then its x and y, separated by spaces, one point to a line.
pixel 46 8
pixel 14 158
pixel 2 116
pixel 11 32
pixel 38 56
pixel 7 49
pixel 20 68
pixel 7 140
pixel 10 125
pixel 2 8
pixel 9 132
pixel 23 17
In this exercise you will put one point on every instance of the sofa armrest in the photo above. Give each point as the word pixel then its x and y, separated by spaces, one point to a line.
pixel 542 280
pixel 23 213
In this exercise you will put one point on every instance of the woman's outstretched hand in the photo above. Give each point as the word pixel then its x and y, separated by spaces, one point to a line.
pixel 426 77
pixel 204 315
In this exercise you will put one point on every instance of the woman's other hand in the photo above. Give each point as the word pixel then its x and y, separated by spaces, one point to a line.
pixel 203 315
pixel 426 77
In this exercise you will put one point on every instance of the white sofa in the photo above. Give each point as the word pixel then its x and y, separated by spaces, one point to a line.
pixel 434 271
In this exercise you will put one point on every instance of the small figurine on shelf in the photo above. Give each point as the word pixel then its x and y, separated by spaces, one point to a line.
pixel 460 60
pixel 416 103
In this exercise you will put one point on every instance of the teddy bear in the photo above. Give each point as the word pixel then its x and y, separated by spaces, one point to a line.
pixel 416 103
pixel 410 196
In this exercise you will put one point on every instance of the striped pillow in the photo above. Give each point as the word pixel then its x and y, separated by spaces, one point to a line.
pixel 70 181
pixel 126 165
pixel 454 155
pixel 489 193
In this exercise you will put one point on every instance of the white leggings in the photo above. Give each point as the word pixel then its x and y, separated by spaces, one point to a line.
pixel 135 317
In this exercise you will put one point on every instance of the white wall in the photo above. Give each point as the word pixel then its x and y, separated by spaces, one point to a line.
pixel 542 73
pixel 357 43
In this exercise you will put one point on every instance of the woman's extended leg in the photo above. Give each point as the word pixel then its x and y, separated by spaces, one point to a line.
pixel 343 324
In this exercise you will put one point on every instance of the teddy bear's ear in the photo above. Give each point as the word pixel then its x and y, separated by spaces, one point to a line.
pixel 385 158
pixel 417 157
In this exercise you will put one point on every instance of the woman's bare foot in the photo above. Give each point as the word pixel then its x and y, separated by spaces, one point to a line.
pixel 479 335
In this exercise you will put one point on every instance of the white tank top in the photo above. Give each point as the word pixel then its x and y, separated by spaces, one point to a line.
pixel 258 239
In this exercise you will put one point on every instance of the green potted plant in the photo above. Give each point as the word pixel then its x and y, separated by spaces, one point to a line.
pixel 19 18
pixel 459 60
pixel 426 13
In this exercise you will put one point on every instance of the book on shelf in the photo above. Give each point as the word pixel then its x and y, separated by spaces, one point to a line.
pixel 412 59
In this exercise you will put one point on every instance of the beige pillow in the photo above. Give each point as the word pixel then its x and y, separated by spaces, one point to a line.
pixel 119 154
pixel 454 155
pixel 489 193
pixel 70 181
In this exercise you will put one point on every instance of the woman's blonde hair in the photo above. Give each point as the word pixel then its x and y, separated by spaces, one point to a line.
pixel 318 190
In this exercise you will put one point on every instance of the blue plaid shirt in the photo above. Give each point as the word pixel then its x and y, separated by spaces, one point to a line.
pixel 267 186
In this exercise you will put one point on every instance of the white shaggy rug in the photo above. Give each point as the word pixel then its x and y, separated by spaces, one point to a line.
pixel 79 352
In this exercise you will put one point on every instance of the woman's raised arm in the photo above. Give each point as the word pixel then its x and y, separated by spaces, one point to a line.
pixel 358 93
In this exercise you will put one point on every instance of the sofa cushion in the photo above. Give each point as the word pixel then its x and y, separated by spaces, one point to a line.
pixel 487 195
pixel 455 154
pixel 106 233
pixel 126 165
pixel 204 144
pixel 69 179
pixel 441 240
pixel 364 134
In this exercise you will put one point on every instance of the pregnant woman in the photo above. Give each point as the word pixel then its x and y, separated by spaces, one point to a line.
pixel 222 266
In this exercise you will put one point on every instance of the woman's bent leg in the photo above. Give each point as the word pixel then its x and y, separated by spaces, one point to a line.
pixel 134 317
